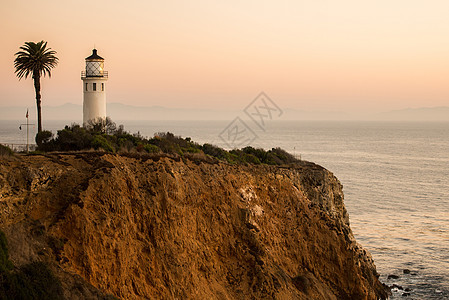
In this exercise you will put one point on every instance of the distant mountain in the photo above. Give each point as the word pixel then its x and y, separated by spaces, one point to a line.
pixel 122 112
pixel 315 115
pixel 424 114
pixel 67 111
pixel 119 111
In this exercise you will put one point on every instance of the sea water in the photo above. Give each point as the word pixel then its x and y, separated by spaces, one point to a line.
pixel 395 178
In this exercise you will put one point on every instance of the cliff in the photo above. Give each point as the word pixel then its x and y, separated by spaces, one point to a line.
pixel 160 227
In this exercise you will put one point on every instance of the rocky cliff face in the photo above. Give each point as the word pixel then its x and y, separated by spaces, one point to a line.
pixel 171 228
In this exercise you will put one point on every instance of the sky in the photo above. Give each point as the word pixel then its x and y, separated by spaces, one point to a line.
pixel 349 55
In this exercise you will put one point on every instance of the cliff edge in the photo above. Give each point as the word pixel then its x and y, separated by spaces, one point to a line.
pixel 164 227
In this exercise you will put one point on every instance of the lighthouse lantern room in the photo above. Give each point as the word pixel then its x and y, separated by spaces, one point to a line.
pixel 94 90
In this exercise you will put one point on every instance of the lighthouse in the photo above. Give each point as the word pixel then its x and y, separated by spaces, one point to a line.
pixel 94 88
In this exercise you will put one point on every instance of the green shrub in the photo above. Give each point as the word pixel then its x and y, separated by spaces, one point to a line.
pixel 31 281
pixel 104 134
pixel 151 148
pixel 280 156
pixel 170 143
pixel 5 263
pixel 165 142
pixel 243 157
pixel 252 159
pixel 275 156
pixel 232 158
pixel 215 151
pixel 190 149
pixel 100 141
pixel 73 138
pixel 5 151
pixel 260 153
pixel 43 137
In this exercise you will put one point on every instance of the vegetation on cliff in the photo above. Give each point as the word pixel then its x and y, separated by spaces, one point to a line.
pixel 5 151
pixel 106 136
pixel 30 281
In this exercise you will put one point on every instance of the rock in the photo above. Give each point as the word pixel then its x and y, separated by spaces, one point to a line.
pixel 405 294
pixel 391 276
pixel 397 286
pixel 162 227
pixel 406 271
pixel 252 226
pixel 301 282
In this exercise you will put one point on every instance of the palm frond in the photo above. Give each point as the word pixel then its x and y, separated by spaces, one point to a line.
pixel 34 59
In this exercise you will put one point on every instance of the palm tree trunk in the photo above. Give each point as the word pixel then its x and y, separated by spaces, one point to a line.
pixel 37 88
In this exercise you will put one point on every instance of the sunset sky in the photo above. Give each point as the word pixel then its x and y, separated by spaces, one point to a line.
pixel 347 55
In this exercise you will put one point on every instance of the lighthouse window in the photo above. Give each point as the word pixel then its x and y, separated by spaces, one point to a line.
pixel 86 86
pixel 102 87
pixel 94 86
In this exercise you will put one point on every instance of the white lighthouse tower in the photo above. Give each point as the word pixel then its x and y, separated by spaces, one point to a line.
pixel 94 89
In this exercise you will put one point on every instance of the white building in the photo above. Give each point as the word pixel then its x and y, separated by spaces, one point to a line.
pixel 94 88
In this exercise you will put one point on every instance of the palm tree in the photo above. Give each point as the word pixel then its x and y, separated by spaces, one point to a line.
pixel 35 60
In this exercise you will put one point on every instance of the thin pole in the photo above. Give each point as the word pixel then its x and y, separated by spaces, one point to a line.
pixel 27 131
pixel 27 125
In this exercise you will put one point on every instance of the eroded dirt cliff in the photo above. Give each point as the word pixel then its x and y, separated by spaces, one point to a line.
pixel 172 228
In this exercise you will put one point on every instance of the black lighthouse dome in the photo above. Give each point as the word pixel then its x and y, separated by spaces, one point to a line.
pixel 94 56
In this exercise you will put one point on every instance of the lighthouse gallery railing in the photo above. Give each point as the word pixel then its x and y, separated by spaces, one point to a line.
pixel 103 74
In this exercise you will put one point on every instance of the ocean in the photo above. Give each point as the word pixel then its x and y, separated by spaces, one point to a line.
pixel 395 178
